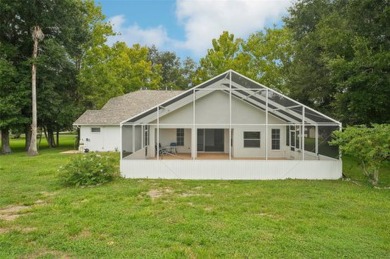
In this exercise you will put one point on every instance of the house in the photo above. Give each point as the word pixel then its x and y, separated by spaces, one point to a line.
pixel 229 127
pixel 100 129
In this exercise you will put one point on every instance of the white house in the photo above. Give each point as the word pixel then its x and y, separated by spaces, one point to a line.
pixel 100 129
pixel 229 127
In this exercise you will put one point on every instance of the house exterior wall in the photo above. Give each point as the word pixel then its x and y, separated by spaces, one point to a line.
pixel 212 111
pixel 108 139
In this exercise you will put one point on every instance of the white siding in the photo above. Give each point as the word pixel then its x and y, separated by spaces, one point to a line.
pixel 231 169
pixel 108 139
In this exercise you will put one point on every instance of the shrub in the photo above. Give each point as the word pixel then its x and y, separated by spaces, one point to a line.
pixel 370 145
pixel 89 169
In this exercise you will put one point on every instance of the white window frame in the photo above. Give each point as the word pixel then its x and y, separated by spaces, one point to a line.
pixel 252 139
pixel 274 139
pixel 95 132
pixel 181 137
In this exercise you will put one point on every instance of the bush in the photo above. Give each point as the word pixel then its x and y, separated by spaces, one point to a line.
pixel 89 169
pixel 371 146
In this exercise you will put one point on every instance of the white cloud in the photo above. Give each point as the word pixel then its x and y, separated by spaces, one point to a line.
pixel 135 34
pixel 204 20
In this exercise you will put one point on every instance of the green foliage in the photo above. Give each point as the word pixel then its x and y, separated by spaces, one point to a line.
pixel 89 169
pixel 112 71
pixel 226 54
pixel 371 146
pixel 71 28
pixel 270 52
pixel 341 58
pixel 261 57
pixel 174 73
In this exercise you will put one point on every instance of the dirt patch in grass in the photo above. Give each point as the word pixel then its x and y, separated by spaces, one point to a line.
pixel 47 254
pixel 4 230
pixel 23 230
pixel 12 212
pixel 158 193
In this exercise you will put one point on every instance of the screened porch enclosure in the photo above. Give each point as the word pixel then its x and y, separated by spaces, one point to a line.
pixel 234 115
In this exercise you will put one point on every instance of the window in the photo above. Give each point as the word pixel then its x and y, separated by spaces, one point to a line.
pixel 95 130
pixel 275 139
pixel 179 137
pixel 146 136
pixel 251 138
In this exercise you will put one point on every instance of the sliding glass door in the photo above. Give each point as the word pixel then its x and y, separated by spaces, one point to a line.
pixel 210 140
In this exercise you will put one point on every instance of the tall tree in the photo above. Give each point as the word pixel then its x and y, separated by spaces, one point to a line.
pixel 175 74
pixel 356 40
pixel 308 75
pixel 68 26
pixel 226 54
pixel 341 60
pixel 111 71
pixel 270 53
pixel 37 36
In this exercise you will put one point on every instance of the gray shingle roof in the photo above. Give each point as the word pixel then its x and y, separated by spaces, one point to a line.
pixel 123 107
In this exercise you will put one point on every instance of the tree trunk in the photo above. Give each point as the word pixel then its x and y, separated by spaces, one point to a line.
pixel 32 150
pixel 5 147
pixel 77 144
pixel 27 132
pixel 58 137
pixel 50 134
pixel 375 176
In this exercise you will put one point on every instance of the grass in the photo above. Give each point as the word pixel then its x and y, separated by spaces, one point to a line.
pixel 176 218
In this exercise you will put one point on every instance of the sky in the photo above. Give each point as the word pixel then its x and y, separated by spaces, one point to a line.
pixel 187 27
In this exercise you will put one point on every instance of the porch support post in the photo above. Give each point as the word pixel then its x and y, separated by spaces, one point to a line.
pixel 230 115
pixel 193 130
pixel 303 133
pixel 133 139
pixel 158 133
pixel 142 135
pixel 266 124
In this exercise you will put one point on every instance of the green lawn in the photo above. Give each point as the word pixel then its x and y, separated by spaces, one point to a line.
pixel 172 218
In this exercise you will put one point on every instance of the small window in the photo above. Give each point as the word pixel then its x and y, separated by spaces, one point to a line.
pixel 95 130
pixel 146 136
pixel 275 139
pixel 179 137
pixel 252 139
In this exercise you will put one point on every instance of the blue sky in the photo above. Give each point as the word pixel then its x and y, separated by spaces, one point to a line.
pixel 187 27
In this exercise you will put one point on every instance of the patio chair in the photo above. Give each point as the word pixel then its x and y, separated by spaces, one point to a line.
pixel 161 150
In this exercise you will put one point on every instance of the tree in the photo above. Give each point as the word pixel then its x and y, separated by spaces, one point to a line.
pixel 71 29
pixel 11 99
pixel 226 54
pixel 37 35
pixel 111 71
pixel 174 73
pixel 341 58
pixel 357 52
pixel 370 145
pixel 307 74
pixel 270 52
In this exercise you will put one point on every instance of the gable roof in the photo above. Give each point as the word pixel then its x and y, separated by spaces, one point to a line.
pixel 247 90
pixel 122 107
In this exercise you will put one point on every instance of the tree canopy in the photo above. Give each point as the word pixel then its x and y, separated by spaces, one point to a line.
pixel 332 55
